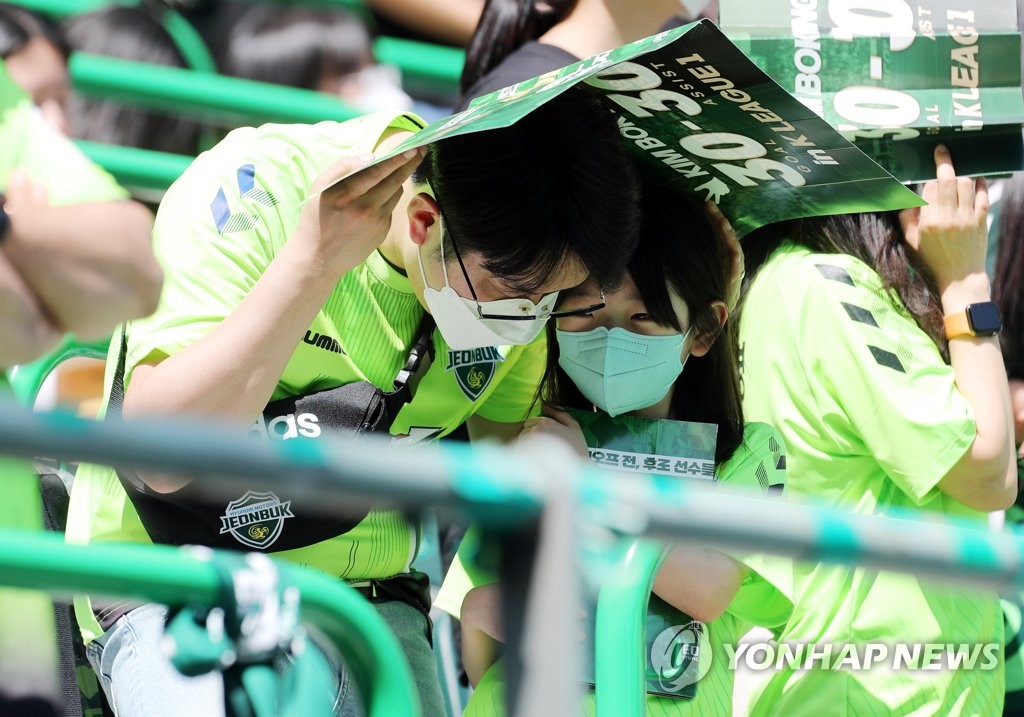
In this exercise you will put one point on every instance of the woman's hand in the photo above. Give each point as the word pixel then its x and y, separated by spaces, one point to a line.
pixel 559 424
pixel 951 233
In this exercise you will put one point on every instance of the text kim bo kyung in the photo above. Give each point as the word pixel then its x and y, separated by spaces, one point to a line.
pixel 871 655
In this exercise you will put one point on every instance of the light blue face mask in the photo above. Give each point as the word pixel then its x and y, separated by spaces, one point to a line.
pixel 619 371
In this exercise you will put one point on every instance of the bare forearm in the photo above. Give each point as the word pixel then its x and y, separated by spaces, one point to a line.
pixel 704 598
pixel 230 374
pixel 452 22
pixel 985 478
pixel 91 265
pixel 25 330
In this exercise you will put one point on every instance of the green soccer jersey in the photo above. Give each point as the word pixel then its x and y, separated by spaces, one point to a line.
pixel 46 156
pixel 872 420
pixel 217 230
pixel 759 462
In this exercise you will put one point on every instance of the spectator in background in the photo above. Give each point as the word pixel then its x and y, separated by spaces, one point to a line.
pixel 452 22
pixel 520 39
pixel 36 58
pixel 74 256
pixel 315 48
pixel 128 33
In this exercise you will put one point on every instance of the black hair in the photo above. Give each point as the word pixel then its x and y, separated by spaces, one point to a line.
pixel 505 25
pixel 876 238
pixel 679 253
pixel 129 33
pixel 557 186
pixel 18 26
pixel 1008 283
pixel 296 46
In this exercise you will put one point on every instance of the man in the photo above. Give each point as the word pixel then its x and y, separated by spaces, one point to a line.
pixel 268 297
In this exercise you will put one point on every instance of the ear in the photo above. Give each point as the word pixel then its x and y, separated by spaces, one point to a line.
pixel 703 342
pixel 423 214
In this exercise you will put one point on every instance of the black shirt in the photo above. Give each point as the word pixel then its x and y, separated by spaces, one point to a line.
pixel 529 60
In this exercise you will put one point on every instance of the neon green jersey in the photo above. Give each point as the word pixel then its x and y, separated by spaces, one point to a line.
pixel 217 230
pixel 758 463
pixel 45 155
pixel 872 421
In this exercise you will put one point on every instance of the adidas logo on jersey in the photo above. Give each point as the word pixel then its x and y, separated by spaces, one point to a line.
pixel 473 368
pixel 289 425
pixel 322 341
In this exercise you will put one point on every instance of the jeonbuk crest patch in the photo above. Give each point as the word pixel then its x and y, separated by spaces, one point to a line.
pixel 256 519
pixel 474 368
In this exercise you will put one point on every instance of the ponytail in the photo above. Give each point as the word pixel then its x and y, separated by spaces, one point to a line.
pixel 506 25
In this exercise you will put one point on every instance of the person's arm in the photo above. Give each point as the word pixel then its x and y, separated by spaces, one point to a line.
pixel 91 266
pixel 708 597
pixel 950 234
pixel 451 22
pixel 230 373
pixel 26 332
pixel 482 636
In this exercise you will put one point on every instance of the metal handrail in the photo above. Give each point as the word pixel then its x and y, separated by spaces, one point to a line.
pixel 171 576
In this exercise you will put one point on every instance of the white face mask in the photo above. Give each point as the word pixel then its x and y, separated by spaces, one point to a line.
pixel 380 88
pixel 459 322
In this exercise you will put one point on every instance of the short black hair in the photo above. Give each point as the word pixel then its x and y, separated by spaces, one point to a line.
pixel 18 26
pixel 556 187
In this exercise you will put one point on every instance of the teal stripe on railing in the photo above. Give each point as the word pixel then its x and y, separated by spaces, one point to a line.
pixel 331 476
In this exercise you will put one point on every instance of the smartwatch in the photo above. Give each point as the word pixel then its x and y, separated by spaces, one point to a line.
pixel 980 319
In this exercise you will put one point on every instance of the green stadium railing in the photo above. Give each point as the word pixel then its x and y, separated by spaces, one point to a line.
pixel 171 576
pixel 426 68
pixel 137 168
pixel 503 489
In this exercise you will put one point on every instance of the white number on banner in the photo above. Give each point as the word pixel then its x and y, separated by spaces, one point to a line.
pixel 729 147
pixel 657 100
pixel 873 18
pixel 625 77
pixel 876 106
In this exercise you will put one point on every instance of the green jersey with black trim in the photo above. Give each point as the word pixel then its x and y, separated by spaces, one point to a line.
pixel 44 155
pixel 872 421
pixel 757 465
pixel 217 231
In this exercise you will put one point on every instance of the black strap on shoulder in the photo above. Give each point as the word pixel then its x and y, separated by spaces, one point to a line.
pixel 116 403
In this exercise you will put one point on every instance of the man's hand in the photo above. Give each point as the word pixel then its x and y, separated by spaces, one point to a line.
pixel 353 216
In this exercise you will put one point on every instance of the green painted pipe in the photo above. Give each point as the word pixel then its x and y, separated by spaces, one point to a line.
pixel 620 635
pixel 172 576
pixel 201 95
pixel 137 168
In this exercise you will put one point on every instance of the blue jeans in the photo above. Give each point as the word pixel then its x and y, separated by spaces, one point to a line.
pixel 140 681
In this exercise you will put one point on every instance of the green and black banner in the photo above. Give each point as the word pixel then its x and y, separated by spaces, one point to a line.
pixel 703 118
pixel 897 77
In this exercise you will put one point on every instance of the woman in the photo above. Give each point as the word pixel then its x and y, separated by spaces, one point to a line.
pixel 856 344
pixel 673 302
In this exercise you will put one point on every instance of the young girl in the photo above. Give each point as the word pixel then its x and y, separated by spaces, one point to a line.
pixel 666 321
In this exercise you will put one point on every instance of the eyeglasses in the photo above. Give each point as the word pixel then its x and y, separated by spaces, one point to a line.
pixel 544 314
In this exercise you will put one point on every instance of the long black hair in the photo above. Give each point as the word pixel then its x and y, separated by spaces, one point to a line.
pixel 504 26
pixel 1008 283
pixel 679 253
pixel 876 238
pixel 18 26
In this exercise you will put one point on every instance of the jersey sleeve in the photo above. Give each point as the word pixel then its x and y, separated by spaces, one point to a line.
pixel 464 574
pixel 45 155
pixel 514 398
pixel 216 232
pixel 879 379
pixel 758 467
